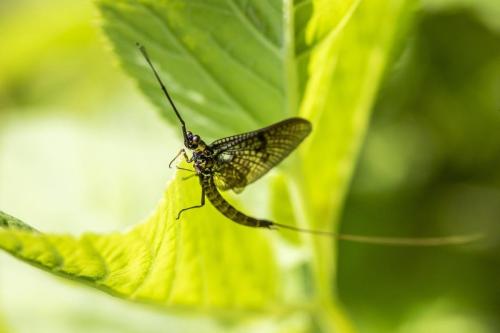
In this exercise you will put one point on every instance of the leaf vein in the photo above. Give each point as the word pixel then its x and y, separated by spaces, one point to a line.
pixel 247 68
pixel 259 35
pixel 90 246
pixel 223 89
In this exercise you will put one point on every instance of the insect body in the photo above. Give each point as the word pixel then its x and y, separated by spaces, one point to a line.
pixel 234 162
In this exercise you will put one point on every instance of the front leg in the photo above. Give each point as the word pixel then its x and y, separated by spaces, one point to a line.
pixel 183 152
pixel 190 176
pixel 184 169
pixel 197 206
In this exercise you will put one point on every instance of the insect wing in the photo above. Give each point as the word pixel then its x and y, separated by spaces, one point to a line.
pixel 244 158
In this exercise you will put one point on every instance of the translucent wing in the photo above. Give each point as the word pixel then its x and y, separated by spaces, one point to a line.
pixel 244 158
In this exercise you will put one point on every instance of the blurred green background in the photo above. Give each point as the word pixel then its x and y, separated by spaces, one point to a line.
pixel 431 166
pixel 87 152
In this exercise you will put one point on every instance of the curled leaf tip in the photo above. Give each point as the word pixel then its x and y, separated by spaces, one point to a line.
pixel 10 222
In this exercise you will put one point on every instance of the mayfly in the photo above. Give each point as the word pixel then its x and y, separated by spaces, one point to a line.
pixel 233 162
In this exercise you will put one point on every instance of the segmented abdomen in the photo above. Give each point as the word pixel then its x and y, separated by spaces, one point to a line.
pixel 211 192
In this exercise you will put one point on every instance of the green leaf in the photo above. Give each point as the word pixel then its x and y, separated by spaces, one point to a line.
pixel 196 44
pixel 7 221
pixel 234 66
pixel 345 70
pixel 345 65
pixel 162 261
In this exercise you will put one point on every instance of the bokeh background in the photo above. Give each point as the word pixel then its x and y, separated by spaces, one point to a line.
pixel 431 166
pixel 82 150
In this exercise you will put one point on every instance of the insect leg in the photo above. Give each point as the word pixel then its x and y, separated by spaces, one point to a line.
pixel 190 176
pixel 183 152
pixel 179 168
pixel 197 206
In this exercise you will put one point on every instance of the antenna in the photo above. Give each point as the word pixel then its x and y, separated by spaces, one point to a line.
pixel 146 56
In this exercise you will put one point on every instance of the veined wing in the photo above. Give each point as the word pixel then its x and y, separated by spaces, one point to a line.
pixel 242 159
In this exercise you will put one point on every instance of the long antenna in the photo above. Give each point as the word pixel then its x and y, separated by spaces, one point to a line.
pixel 396 241
pixel 146 56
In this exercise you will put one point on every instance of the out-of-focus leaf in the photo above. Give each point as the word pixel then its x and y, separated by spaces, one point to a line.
pixel 488 11
pixel 346 68
pixel 10 222
pixel 46 47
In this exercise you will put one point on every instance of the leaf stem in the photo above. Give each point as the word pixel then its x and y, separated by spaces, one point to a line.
pixel 330 315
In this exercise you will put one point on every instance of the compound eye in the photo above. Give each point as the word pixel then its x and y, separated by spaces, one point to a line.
pixel 196 139
pixel 189 134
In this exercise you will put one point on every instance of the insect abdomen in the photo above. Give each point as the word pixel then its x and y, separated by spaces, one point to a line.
pixel 227 209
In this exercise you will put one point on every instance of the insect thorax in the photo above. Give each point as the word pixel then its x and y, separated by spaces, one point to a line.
pixel 203 160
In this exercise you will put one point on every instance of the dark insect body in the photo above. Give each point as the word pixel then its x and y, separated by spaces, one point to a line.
pixel 234 162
